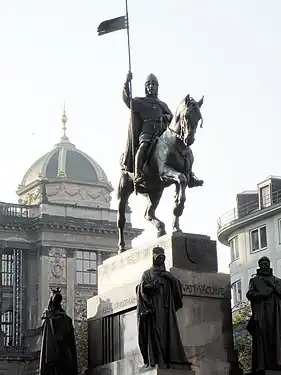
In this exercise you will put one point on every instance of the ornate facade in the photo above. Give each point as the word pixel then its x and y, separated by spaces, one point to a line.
pixel 61 230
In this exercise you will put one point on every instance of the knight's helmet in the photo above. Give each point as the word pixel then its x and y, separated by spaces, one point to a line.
pixel 151 78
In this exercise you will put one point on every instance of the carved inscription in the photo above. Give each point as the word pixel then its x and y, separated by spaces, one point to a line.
pixel 121 262
pixel 120 305
pixel 203 290
pixel 108 306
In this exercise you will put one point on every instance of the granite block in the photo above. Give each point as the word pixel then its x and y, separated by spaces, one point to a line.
pixel 187 251
pixel 116 300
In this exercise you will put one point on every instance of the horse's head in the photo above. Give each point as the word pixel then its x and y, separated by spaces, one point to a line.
pixel 187 118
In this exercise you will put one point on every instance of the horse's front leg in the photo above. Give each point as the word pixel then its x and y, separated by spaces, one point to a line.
pixel 153 199
pixel 125 189
pixel 180 180
pixel 180 198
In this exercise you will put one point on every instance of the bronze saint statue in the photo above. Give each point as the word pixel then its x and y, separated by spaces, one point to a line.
pixel 265 323
pixel 159 296
pixel 58 349
pixel 151 117
pixel 160 144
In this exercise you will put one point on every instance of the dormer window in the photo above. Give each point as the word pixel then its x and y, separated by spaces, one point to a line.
pixel 265 196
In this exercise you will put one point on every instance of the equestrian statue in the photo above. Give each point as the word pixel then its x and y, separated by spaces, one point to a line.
pixel 157 154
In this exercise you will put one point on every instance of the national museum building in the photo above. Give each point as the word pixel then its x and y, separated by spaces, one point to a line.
pixel 252 230
pixel 61 230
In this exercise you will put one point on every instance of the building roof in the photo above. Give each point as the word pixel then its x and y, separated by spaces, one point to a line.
pixel 65 160
pixel 249 192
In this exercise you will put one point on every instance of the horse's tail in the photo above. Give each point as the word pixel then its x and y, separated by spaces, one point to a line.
pixel 121 164
pixel 121 160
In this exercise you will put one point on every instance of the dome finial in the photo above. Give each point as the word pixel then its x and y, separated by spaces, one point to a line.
pixel 64 121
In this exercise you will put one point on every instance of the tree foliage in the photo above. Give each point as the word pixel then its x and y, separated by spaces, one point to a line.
pixel 81 335
pixel 242 338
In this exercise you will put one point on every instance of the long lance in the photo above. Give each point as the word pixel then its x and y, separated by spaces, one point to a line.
pixel 130 86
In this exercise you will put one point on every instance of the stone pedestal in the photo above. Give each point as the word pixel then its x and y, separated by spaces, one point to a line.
pixel 204 321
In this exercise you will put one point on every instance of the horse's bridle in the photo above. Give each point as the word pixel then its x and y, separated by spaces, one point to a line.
pixel 176 134
pixel 183 126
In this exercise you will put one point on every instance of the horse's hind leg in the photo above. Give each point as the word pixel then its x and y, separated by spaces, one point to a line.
pixel 153 199
pixel 125 189
pixel 176 221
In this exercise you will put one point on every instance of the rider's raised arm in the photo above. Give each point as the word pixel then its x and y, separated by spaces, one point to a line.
pixel 126 94
pixel 136 105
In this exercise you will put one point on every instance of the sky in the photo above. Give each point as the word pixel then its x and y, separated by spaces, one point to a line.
pixel 230 51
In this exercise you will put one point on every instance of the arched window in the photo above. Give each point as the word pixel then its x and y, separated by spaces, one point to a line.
pixel 6 327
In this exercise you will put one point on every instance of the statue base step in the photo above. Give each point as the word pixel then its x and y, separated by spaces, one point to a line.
pixel 126 367
pixel 171 371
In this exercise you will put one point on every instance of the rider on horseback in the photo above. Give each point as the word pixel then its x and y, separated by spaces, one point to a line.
pixel 151 117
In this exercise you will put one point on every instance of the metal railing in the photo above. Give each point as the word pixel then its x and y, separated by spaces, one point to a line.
pixel 260 203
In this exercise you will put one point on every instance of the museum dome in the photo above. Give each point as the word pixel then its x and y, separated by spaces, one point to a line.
pixel 65 161
pixel 65 175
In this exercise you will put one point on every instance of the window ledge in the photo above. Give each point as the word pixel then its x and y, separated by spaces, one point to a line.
pixel 258 250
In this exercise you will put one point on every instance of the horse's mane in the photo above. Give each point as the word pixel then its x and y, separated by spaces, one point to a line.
pixel 182 105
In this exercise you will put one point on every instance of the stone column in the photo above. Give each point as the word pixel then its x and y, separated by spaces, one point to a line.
pixel 31 279
pixel 44 290
pixel 71 281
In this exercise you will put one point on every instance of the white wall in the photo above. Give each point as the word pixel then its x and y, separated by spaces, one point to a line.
pixel 243 268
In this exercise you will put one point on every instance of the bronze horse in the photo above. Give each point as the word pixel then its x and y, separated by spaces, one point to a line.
pixel 169 162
